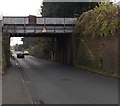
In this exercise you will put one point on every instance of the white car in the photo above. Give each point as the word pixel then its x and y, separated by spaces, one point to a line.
pixel 26 53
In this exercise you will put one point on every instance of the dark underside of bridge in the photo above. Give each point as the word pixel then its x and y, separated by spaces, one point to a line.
pixel 61 41
pixel 39 34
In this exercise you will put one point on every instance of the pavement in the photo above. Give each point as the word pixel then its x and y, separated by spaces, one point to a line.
pixel 13 88
pixel 0 90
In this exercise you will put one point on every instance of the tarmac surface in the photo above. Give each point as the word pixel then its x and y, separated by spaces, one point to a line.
pixel 31 80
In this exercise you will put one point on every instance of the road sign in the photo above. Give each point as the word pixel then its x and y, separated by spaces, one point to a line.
pixel 44 30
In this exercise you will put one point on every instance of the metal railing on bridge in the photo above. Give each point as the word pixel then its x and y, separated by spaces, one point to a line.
pixel 38 25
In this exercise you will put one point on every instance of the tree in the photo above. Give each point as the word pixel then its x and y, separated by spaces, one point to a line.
pixel 65 9
pixel 100 21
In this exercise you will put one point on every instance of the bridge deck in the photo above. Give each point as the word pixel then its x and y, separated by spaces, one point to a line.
pixel 37 25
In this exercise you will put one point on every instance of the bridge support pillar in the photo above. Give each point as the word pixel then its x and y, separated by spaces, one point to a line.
pixel 63 50
pixel 6 49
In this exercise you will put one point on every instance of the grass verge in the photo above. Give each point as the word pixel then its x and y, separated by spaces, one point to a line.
pixel 97 71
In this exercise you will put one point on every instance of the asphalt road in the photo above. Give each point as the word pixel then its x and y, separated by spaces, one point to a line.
pixel 54 83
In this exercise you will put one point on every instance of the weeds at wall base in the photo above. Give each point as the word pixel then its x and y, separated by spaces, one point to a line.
pixel 96 71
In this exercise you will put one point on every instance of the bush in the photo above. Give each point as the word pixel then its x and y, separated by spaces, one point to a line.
pixel 101 21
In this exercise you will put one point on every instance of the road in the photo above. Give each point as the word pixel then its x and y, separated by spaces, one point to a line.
pixel 54 83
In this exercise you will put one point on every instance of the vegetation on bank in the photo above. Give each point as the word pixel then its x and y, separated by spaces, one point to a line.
pixel 97 71
pixel 101 21
pixel 99 24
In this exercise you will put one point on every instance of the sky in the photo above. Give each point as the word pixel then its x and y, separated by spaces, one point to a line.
pixel 21 8
pixel 15 40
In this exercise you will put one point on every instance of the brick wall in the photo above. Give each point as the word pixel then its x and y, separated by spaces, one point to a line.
pixel 105 51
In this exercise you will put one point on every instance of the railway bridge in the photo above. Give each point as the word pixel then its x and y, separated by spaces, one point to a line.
pixel 31 26
pixel 37 26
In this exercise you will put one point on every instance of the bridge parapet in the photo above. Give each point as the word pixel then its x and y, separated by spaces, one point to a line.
pixel 23 25
pixel 39 20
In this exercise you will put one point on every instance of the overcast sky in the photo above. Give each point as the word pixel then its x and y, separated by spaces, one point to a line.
pixel 19 8
pixel 25 7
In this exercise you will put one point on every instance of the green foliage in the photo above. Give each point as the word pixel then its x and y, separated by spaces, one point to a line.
pixel 65 9
pixel 81 53
pixel 40 47
pixel 101 21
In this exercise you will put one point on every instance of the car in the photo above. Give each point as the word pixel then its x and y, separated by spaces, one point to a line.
pixel 26 53
pixel 20 55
